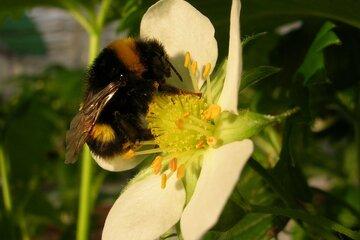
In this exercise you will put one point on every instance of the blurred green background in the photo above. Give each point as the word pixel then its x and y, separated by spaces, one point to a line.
pixel 313 158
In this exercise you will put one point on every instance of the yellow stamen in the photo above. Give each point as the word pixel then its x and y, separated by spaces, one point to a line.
pixel 180 123
pixel 211 141
pixel 200 144
pixel 187 60
pixel 180 173
pixel 193 67
pixel 149 151
pixel 149 142
pixel 129 154
pixel 173 164
pixel 212 112
pixel 206 70
pixel 177 124
pixel 157 165
pixel 163 181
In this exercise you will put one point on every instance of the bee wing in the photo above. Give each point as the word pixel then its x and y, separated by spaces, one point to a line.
pixel 85 119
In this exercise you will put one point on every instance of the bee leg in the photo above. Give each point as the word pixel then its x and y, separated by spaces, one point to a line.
pixel 165 88
pixel 125 126
pixel 147 135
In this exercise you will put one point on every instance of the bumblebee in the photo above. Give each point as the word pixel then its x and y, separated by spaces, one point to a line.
pixel 120 85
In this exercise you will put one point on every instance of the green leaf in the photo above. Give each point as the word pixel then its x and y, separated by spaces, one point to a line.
pixel 250 38
pixel 265 15
pixel 21 36
pixel 10 8
pixel 262 13
pixel 252 226
pixel 254 189
pixel 131 14
pixel 287 171
pixel 255 75
pixel 313 67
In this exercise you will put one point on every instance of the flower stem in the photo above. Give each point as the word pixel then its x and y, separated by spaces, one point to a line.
pixel 257 167
pixel 85 196
pixel 5 182
pixel 308 218
pixel 94 41
pixel 104 7
pixel 24 230
pixel 86 164
pixel 357 130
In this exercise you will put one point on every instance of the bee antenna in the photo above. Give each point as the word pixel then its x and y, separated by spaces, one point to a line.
pixel 176 72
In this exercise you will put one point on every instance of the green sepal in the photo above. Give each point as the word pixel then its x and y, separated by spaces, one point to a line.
pixel 232 127
pixel 255 75
pixel 191 176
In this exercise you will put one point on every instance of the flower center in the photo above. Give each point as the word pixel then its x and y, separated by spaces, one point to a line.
pixel 181 125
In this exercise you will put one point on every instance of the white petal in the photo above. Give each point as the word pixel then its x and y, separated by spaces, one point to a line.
pixel 181 28
pixel 220 172
pixel 117 163
pixel 229 96
pixel 144 211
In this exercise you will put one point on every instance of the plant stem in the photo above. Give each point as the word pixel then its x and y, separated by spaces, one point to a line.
pixel 308 218
pixel 24 231
pixel 79 17
pixel 85 196
pixel 257 167
pixel 94 42
pixel 5 182
pixel 104 7
pixel 338 201
pixel 357 130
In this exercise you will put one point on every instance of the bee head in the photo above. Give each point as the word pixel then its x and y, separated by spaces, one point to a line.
pixel 158 66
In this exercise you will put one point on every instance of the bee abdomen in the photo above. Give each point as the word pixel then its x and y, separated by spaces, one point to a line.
pixel 105 142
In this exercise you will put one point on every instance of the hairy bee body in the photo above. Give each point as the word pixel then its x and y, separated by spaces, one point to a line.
pixel 120 85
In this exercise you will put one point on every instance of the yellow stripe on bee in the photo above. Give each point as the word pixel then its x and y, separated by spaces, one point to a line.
pixel 127 53
pixel 103 133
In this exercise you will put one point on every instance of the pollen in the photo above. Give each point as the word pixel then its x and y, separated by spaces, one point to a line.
pixel 163 181
pixel 180 173
pixel 200 144
pixel 176 122
pixel 173 164
pixel 187 60
pixel 211 141
pixel 129 154
pixel 103 133
pixel 206 70
pixel 193 68
pixel 212 112
pixel 179 123
pixel 157 165
pixel 156 85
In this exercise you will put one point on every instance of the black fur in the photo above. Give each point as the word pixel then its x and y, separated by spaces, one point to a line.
pixel 127 108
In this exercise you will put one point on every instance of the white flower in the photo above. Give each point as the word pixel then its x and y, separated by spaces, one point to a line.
pixel 145 210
